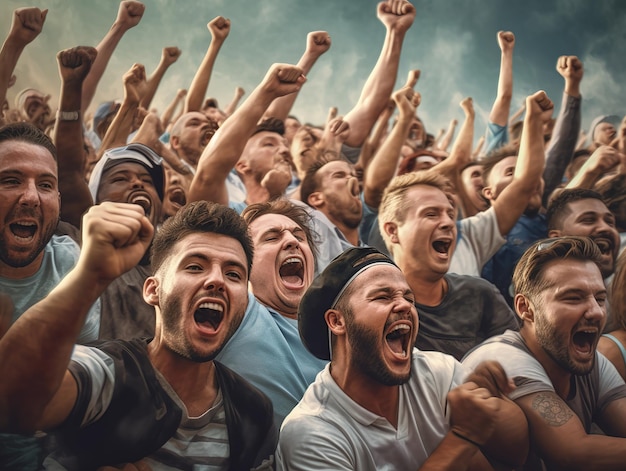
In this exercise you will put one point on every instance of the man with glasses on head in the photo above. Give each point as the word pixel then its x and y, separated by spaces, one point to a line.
pixel 563 385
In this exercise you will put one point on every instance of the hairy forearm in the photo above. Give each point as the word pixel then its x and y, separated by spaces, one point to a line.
pixel 501 107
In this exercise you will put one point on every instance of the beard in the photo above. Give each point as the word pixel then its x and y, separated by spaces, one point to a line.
pixel 369 362
pixel 556 345
pixel 174 336
pixel 25 256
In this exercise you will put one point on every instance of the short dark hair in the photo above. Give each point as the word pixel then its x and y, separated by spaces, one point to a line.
pixel 200 216
pixel 528 275
pixel 26 132
pixel 558 208
pixel 296 213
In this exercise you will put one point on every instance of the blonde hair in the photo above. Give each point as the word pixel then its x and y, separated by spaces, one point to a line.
pixel 394 204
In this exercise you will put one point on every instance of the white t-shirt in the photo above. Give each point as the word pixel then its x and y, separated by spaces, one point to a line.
pixel 327 430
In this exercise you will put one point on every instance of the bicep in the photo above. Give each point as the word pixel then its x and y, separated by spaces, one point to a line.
pixel 61 405
pixel 554 427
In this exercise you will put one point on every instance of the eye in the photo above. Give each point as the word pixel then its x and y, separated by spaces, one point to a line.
pixel 234 275
pixel 193 267
pixel 601 300
pixel 46 186
pixel 10 181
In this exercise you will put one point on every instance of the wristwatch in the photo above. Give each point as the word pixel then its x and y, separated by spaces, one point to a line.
pixel 68 115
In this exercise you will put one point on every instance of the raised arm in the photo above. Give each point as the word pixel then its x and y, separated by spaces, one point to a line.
pixel 26 26
pixel 397 16
pixel 134 87
pixel 446 139
pixel 37 392
pixel 514 199
pixel 383 166
pixel 219 28
pixel 223 151
pixel 128 15
pixel 566 129
pixel 499 115
pixel 169 115
pixel 317 43
pixel 461 155
pixel 168 57
pixel 74 65
pixel 232 106
pixel 603 160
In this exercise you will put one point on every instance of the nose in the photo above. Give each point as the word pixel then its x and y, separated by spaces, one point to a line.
pixel 136 181
pixel 595 311
pixel 30 196
pixel 289 240
pixel 214 279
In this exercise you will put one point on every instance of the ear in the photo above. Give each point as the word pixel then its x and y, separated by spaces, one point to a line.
pixel 488 193
pixel 391 229
pixel 242 166
pixel 316 199
pixel 336 321
pixel 151 291
pixel 174 141
pixel 524 308
pixel 555 233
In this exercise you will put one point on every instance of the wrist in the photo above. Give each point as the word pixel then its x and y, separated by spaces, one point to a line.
pixel 68 115
pixel 464 437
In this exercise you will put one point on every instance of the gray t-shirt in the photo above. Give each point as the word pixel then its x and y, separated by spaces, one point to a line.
pixel 471 311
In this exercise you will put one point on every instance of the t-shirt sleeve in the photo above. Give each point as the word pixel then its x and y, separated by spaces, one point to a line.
pixel 527 373
pixel 308 442
pixel 495 137
pixel 612 386
pixel 483 235
pixel 94 373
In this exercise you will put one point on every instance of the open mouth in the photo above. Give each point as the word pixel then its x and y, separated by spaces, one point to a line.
pixel 209 316
pixel 398 338
pixel 584 340
pixel 206 137
pixel 441 246
pixel 178 197
pixel 23 231
pixel 605 245
pixel 142 201
pixel 292 272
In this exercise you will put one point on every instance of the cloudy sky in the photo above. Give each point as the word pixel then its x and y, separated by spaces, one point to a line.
pixel 453 42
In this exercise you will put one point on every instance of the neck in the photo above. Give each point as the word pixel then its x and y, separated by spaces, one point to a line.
pixel 18 273
pixel 195 383
pixel 428 291
pixel 377 398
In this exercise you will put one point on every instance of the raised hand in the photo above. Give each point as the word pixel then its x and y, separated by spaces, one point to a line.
pixel 219 28
pixel 283 79
pixel 570 67
pixel 317 42
pixel 115 237
pixel 396 15
pixel 467 105
pixel 413 77
pixel 75 63
pixel 506 41
pixel 170 55
pixel 539 104
pixel 135 83
pixel 406 100
pixel 27 24
pixel 129 14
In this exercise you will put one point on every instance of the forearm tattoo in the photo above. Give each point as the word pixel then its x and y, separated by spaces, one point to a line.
pixel 553 410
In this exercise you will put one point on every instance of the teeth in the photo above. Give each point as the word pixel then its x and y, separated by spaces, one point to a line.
pixel 400 327
pixel 213 306
pixel 291 260
pixel 26 224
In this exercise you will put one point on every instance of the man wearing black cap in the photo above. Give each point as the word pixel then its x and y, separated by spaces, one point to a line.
pixel 380 403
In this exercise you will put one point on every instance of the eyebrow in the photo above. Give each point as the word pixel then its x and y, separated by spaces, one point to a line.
pixel 279 230
pixel 20 173
pixel 228 262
